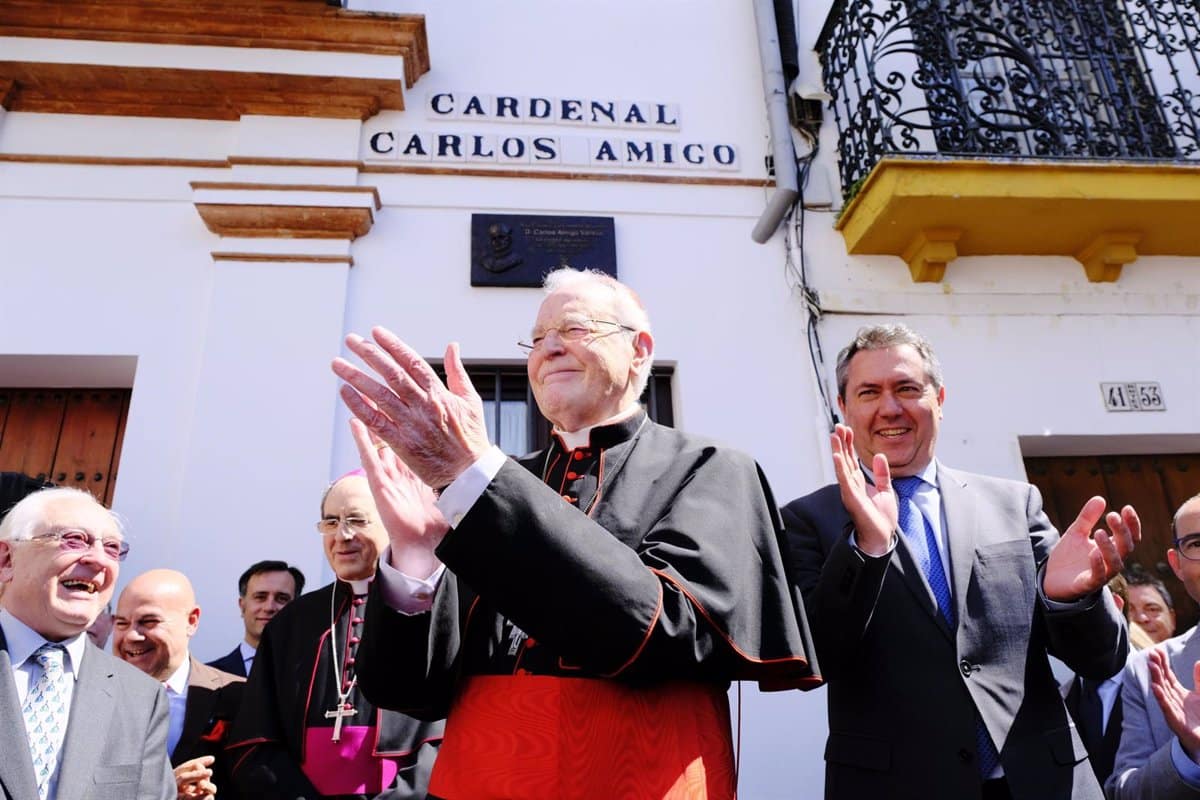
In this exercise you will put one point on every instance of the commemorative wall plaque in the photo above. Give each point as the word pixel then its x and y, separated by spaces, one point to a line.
pixel 519 249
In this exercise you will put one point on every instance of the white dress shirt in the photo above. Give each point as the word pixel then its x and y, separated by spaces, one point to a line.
pixel 247 652
pixel 177 686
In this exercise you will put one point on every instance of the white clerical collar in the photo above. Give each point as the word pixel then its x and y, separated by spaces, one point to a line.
pixel 581 437
pixel 359 586
pixel 178 682
pixel 23 641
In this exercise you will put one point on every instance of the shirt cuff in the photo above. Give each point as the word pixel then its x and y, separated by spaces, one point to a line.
pixel 854 543
pixel 1189 771
pixel 458 498
pixel 1056 607
pixel 404 593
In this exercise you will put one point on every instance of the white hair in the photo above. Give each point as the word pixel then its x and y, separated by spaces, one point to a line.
pixel 626 304
pixel 23 520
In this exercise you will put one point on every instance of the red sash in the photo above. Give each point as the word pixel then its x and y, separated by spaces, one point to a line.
pixel 533 737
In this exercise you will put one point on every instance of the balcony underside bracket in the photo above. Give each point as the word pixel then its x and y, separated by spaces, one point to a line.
pixel 1104 256
pixel 929 252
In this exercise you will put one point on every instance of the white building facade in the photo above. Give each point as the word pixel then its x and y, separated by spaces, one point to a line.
pixel 208 248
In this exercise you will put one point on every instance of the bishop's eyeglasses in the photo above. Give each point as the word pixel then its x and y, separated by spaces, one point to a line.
pixel 1188 546
pixel 328 526
pixel 575 330
pixel 78 540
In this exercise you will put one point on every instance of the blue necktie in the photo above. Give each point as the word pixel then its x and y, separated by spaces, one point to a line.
pixel 919 535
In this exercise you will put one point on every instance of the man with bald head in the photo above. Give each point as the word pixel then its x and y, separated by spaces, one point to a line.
pixel 156 618
pixel 77 722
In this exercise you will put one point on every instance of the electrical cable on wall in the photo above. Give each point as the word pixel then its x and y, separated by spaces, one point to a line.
pixel 797 275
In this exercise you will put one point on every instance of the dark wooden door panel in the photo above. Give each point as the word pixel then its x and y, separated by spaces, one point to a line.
pixel 1065 484
pixel 1154 484
pixel 31 431
pixel 71 437
pixel 87 440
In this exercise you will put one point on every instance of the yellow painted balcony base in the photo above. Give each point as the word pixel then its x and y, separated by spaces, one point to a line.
pixel 928 212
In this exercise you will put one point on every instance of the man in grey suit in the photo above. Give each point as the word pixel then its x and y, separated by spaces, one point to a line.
pixel 1159 756
pixel 934 597
pixel 78 723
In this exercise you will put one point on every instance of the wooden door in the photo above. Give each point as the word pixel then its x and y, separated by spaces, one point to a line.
pixel 71 437
pixel 1156 485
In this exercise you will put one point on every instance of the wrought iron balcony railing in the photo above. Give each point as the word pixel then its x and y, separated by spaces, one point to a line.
pixel 1042 79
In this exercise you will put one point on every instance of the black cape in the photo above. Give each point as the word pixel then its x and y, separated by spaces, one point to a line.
pixel 291 683
pixel 674 573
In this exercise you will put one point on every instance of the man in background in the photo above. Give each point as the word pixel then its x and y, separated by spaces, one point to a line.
pixel 263 589
pixel 156 617
pixel 1150 605
pixel 102 628
pixel 1159 756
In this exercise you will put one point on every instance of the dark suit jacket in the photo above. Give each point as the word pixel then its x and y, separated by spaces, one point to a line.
pixel 213 699
pixel 1102 754
pixel 116 744
pixel 906 691
pixel 231 663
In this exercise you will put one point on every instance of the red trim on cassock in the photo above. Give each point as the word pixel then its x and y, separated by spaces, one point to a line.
pixel 534 737
pixel 798 660
pixel 645 639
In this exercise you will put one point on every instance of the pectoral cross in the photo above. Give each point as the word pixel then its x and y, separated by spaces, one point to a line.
pixel 515 637
pixel 337 714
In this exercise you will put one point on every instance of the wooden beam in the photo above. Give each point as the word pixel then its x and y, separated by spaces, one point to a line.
pixel 285 222
pixel 281 24
pixel 192 93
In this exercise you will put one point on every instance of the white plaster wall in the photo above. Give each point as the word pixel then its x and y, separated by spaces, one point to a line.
pixel 227 442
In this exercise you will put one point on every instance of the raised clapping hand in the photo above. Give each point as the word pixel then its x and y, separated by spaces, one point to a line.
pixel 193 779
pixel 437 430
pixel 873 509
pixel 1180 707
pixel 1082 561
pixel 406 505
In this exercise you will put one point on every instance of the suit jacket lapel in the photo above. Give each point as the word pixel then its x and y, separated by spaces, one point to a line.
pixel 961 532
pixel 904 563
pixel 202 687
pixel 16 765
pixel 1183 661
pixel 92 708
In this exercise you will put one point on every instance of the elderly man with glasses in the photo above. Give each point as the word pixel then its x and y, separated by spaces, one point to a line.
pixel 1159 756
pixel 77 722
pixel 597 597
